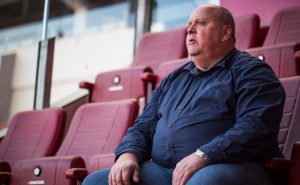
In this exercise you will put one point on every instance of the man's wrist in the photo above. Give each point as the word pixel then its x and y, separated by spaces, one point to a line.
pixel 203 156
pixel 129 155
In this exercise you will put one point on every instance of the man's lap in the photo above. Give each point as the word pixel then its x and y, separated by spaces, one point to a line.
pixel 216 174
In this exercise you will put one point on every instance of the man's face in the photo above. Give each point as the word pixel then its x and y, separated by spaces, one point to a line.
pixel 205 32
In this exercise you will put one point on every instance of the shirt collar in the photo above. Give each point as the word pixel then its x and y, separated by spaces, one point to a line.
pixel 222 63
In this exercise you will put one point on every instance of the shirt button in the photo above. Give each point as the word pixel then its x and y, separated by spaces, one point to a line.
pixel 169 147
pixel 179 108
pixel 170 125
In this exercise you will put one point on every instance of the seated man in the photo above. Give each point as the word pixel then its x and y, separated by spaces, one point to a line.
pixel 213 121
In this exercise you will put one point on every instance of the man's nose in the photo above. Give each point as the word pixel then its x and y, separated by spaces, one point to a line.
pixel 191 29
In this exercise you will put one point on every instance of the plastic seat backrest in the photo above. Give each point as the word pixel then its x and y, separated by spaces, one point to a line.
pixel 289 126
pixel 157 47
pixel 119 84
pixel 32 134
pixel 98 128
pixel 166 68
pixel 284 27
pixel 246 31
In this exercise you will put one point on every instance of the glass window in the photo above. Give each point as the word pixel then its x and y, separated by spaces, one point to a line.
pixel 91 37
pixel 169 14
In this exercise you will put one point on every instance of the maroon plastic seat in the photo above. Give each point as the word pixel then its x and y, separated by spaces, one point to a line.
pixel 96 128
pixel 153 49
pixel 294 165
pixel 246 31
pixel 30 134
pixel 162 71
pixel 282 42
pixel 284 27
pixel 289 130
pixel 289 126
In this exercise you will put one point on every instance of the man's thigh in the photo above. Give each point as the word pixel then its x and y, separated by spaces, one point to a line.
pixel 97 178
pixel 230 174
pixel 154 174
pixel 150 174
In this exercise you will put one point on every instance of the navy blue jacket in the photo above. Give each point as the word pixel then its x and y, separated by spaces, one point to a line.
pixel 231 112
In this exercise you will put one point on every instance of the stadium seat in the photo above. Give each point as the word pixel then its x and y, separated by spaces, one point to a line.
pixel 282 42
pixel 162 71
pixel 284 27
pixel 153 49
pixel 288 133
pixel 96 128
pixel 289 126
pixel 30 134
pixel 246 31
pixel 294 165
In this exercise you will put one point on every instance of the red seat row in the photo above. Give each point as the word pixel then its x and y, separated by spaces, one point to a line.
pixel 97 128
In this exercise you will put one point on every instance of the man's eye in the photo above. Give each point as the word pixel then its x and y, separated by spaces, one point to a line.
pixel 201 23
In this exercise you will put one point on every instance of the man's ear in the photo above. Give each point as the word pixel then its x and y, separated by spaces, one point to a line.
pixel 227 33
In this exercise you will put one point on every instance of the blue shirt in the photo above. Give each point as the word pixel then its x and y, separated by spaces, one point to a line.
pixel 231 112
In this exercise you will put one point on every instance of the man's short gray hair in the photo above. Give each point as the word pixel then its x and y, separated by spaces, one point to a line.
pixel 227 19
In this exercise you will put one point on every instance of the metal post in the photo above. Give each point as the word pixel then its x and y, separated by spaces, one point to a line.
pixel 143 18
pixel 44 65
pixel 45 19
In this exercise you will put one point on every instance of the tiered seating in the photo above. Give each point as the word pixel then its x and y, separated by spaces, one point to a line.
pixel 153 49
pixel 289 131
pixel 30 134
pixel 289 126
pixel 282 42
pixel 294 169
pixel 246 31
pixel 96 128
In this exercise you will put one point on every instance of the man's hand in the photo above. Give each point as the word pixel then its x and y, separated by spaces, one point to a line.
pixel 186 168
pixel 125 167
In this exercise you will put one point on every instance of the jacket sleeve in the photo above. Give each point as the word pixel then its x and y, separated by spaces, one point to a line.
pixel 259 105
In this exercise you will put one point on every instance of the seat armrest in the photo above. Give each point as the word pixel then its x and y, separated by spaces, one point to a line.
pixel 149 80
pixel 76 173
pixel 4 166
pixel 99 162
pixel 278 169
pixel 89 86
pixel 294 176
pixel 149 77
pixel 294 44
pixel 297 56
pixel 48 169
pixel 5 177
pixel 5 172
pixel 282 58
pixel 86 85
pixel 277 164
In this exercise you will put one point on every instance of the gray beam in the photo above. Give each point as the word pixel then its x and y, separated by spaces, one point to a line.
pixel 44 74
pixel 143 19
pixel 6 76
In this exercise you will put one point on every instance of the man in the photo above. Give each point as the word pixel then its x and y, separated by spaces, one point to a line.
pixel 212 122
